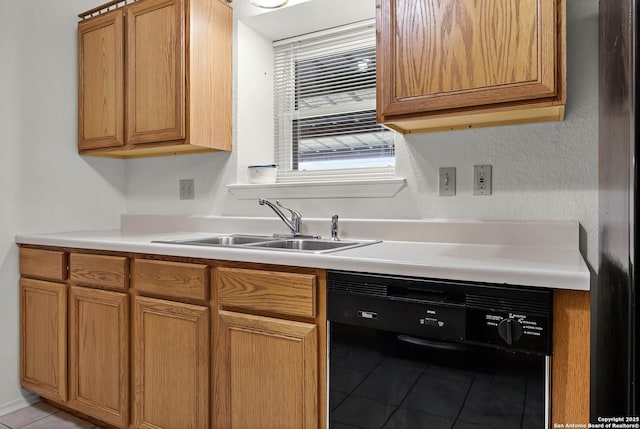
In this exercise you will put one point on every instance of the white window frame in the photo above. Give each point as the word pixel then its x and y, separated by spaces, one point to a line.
pixel 283 127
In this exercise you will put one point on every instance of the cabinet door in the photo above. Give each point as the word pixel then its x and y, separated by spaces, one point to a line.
pixel 266 373
pixel 171 365
pixel 100 82
pixel 43 338
pixel 99 354
pixel 156 71
pixel 448 54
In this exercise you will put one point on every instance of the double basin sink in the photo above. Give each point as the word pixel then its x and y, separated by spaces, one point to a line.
pixel 300 244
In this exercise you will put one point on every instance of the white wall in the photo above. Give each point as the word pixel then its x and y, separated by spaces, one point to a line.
pixel 45 185
pixel 545 171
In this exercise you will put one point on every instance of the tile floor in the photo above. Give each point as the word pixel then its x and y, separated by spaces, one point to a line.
pixel 43 416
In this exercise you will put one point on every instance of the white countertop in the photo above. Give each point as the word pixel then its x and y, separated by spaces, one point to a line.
pixel 500 260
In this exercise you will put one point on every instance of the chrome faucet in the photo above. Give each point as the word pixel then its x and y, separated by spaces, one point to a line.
pixel 295 224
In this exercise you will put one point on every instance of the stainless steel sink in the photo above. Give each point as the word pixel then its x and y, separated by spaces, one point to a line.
pixel 309 245
pixel 225 240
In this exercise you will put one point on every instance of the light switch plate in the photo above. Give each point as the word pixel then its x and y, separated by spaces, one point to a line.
pixel 447 181
pixel 187 189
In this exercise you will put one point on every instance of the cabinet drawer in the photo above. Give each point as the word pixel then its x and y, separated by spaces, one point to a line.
pixel 172 279
pixel 99 270
pixel 46 264
pixel 272 291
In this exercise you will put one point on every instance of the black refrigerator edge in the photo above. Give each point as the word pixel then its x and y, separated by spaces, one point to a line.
pixel 614 322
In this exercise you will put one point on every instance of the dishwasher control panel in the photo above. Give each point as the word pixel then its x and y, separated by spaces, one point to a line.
pixel 509 317
pixel 402 317
pixel 509 330
pixel 514 318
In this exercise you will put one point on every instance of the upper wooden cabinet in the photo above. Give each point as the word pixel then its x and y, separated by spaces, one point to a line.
pixel 451 64
pixel 163 89
pixel 101 86
pixel 156 71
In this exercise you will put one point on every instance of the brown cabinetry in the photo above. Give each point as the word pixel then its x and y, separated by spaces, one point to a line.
pixel 461 64
pixel 43 264
pixel 43 338
pixel 172 279
pixel 99 354
pixel 571 357
pixel 175 96
pixel 43 322
pixel 150 363
pixel 267 373
pixel 113 348
pixel 98 337
pixel 156 71
pixel 171 365
pixel 103 271
pixel 273 356
pixel 101 82
pixel 290 294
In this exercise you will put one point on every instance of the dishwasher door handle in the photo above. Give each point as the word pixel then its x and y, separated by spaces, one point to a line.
pixel 432 344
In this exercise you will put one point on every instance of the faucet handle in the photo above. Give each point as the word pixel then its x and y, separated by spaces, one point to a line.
pixel 296 218
pixel 294 213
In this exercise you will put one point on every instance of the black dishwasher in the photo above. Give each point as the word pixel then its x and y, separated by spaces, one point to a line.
pixel 413 353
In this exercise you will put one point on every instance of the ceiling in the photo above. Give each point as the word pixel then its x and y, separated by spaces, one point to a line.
pixel 303 16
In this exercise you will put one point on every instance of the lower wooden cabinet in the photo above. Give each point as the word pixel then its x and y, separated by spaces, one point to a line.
pixel 571 358
pixel 266 373
pixel 156 371
pixel 171 365
pixel 43 338
pixel 93 344
pixel 99 354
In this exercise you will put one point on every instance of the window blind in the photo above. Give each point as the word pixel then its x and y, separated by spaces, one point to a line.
pixel 324 104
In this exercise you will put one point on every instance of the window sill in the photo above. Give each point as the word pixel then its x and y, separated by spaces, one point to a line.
pixel 380 188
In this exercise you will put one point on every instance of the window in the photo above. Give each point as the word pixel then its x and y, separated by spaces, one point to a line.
pixel 325 107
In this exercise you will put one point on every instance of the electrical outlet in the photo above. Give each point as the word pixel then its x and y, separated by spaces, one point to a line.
pixel 481 180
pixel 447 181
pixel 187 189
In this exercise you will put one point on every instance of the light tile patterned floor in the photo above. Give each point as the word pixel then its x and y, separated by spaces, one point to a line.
pixel 43 416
